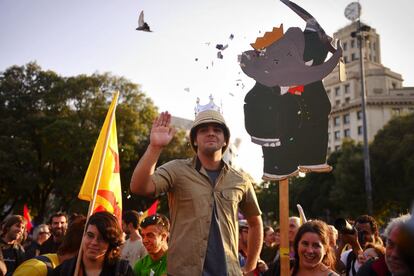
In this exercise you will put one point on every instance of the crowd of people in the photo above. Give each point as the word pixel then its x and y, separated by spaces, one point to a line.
pixel 140 247
pixel 214 226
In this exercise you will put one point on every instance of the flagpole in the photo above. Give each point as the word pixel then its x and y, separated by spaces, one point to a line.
pixel 97 179
pixel 284 248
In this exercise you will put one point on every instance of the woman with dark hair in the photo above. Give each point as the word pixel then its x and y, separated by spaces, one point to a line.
pixel 313 254
pixel 100 249
pixel 12 231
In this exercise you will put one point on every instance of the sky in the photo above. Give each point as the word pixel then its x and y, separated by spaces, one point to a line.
pixel 177 62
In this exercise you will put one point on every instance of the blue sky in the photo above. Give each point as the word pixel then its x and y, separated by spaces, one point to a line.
pixel 86 36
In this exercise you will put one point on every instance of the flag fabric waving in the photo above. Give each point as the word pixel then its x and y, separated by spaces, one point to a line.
pixel 26 215
pixel 103 170
pixel 152 210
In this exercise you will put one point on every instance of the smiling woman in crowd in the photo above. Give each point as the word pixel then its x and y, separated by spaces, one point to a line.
pixel 100 249
pixel 313 255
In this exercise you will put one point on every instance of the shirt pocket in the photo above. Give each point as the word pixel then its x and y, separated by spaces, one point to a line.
pixel 232 194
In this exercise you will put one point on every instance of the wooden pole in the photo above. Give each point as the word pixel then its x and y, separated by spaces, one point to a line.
pixel 284 227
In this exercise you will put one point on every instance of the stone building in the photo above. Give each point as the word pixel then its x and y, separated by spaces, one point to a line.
pixel 385 95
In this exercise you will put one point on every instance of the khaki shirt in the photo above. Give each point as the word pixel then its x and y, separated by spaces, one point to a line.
pixel 191 199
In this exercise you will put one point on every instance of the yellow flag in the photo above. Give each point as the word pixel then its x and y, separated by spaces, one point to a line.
pixel 105 156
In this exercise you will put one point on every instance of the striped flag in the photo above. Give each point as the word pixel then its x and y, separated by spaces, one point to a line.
pixel 152 210
pixel 102 183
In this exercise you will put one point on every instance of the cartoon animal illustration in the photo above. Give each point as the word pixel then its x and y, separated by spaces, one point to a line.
pixel 287 110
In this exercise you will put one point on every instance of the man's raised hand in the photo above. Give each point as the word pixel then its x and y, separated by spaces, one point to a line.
pixel 161 131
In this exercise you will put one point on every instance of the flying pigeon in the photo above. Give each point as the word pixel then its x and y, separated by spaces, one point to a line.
pixel 142 26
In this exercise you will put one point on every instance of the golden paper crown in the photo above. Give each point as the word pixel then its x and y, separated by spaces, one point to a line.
pixel 268 38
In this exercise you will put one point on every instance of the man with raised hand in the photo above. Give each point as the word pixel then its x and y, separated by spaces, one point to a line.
pixel 204 196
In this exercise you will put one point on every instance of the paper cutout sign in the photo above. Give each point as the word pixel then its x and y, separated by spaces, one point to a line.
pixel 287 110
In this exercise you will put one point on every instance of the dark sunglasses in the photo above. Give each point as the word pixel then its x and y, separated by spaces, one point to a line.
pixel 153 220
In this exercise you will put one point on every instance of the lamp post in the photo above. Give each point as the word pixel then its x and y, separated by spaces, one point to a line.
pixel 352 12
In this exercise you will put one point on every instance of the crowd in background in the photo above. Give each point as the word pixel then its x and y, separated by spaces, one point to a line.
pixel 140 246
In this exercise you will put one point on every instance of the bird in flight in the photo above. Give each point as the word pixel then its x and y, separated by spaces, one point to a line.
pixel 142 26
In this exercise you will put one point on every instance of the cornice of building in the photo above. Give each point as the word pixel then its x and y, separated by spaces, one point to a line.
pixel 374 101
pixel 350 28
pixel 372 69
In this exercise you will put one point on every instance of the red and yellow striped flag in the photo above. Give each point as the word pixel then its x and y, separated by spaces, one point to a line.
pixel 103 170
pixel 152 210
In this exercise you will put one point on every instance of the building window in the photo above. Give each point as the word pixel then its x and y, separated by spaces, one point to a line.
pixel 378 90
pixel 347 99
pixel 352 43
pixel 347 88
pixel 345 59
pixel 337 121
pixel 396 112
pixel 344 46
pixel 337 91
pixel 359 115
pixel 346 118
pixel 359 130
pixel 374 46
pixel 394 85
pixel 337 102
pixel 347 132
pixel 337 135
pixel 353 57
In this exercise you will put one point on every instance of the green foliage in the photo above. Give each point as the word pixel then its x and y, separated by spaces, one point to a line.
pixel 349 190
pixel 392 161
pixel 268 198
pixel 48 129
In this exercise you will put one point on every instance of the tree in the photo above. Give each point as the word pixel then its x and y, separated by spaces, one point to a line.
pixel 392 159
pixel 313 193
pixel 49 126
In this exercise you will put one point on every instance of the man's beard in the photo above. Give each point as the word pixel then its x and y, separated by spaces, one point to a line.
pixel 58 233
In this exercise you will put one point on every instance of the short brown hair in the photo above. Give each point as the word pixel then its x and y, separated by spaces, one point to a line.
pixel 57 215
pixel 131 216
pixel 159 220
